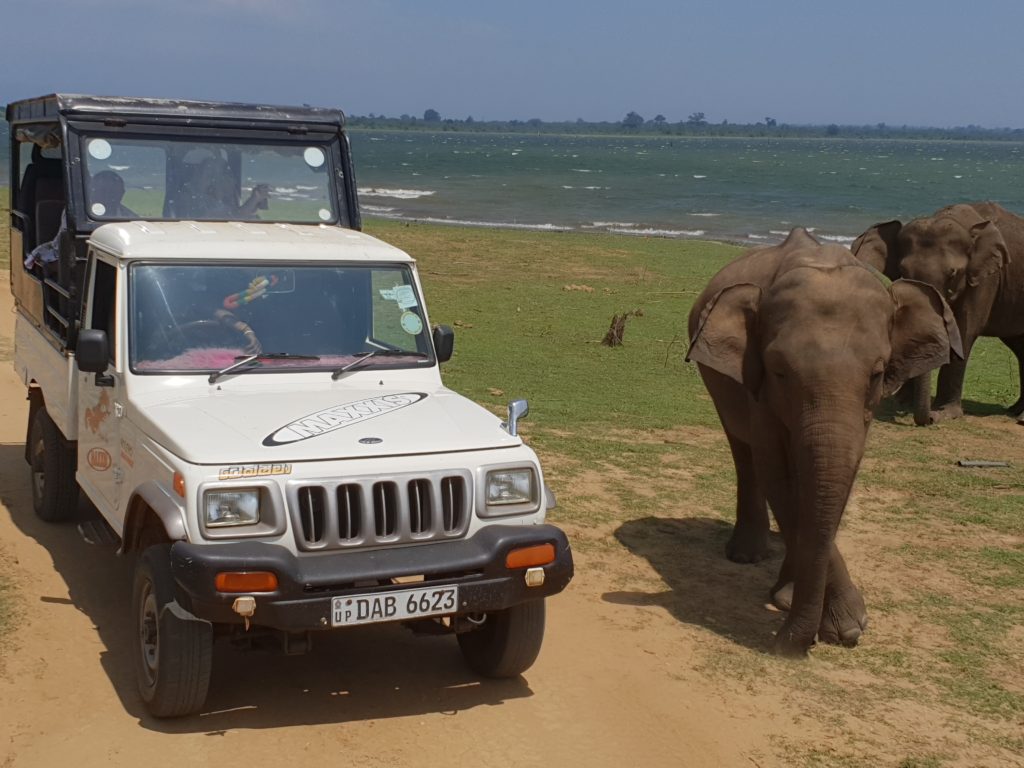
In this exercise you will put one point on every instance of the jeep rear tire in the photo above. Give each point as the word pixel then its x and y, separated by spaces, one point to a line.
pixel 54 488
pixel 508 642
pixel 173 650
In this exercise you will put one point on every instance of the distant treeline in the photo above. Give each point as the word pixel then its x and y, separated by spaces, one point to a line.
pixel 634 124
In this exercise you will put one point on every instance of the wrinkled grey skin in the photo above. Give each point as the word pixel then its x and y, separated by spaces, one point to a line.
pixel 974 256
pixel 796 345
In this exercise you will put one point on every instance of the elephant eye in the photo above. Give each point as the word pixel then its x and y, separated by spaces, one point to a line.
pixel 875 387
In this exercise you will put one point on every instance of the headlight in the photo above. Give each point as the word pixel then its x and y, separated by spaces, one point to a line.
pixel 235 507
pixel 510 486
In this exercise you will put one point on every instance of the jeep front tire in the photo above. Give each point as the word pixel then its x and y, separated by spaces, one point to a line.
pixel 508 642
pixel 174 650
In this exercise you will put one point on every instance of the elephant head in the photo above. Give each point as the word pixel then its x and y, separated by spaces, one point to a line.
pixel 741 332
pixel 954 251
pixel 961 252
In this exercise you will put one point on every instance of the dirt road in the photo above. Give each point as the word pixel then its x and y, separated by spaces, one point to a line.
pixel 613 686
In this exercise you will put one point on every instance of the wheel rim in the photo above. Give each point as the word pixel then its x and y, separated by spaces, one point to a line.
pixel 149 635
pixel 38 471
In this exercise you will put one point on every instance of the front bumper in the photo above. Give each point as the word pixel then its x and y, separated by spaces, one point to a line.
pixel 307 584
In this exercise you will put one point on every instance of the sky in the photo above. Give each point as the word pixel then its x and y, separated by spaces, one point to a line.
pixel 861 62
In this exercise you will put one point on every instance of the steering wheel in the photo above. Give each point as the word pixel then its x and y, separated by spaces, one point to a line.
pixel 199 329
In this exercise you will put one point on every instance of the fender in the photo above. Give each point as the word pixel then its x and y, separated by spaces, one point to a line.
pixel 170 513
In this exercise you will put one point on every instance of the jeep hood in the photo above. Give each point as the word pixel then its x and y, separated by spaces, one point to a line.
pixel 302 425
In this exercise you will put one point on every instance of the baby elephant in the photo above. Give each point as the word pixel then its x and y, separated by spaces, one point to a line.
pixel 796 344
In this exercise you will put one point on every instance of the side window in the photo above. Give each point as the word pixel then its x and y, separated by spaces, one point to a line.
pixel 39 198
pixel 125 179
pixel 104 303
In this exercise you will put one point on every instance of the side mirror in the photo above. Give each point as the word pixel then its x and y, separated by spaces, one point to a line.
pixel 444 343
pixel 92 352
pixel 517 409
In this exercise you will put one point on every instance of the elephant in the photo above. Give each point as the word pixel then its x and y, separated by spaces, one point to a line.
pixel 796 344
pixel 974 255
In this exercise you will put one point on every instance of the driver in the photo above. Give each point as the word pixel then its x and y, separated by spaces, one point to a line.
pixel 214 194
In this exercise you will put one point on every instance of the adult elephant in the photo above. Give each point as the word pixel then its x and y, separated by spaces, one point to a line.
pixel 796 344
pixel 974 255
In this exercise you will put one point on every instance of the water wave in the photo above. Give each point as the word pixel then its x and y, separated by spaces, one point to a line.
pixel 401 194
pixel 491 224
pixel 652 232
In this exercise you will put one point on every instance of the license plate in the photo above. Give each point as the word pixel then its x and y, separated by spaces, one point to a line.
pixel 394 606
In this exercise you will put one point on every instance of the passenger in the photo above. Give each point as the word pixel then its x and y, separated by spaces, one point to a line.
pixel 45 254
pixel 215 197
pixel 106 189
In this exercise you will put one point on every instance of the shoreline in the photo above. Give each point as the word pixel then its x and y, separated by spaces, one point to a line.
pixel 747 241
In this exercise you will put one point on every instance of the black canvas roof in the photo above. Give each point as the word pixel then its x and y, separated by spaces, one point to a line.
pixel 81 107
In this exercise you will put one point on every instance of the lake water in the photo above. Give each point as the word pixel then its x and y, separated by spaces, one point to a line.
pixel 742 190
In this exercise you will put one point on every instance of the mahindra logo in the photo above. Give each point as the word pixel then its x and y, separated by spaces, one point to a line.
pixel 340 416
pixel 99 459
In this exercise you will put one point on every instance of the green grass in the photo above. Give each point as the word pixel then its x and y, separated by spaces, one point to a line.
pixel 524 325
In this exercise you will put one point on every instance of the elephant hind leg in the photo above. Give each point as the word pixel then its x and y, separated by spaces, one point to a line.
pixel 1016 345
pixel 749 540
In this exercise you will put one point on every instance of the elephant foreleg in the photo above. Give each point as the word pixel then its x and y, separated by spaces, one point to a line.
pixel 845 617
pixel 922 394
pixel 1016 345
pixel 749 540
pixel 949 392
pixel 775 481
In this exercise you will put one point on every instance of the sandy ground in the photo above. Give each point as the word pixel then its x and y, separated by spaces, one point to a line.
pixel 654 656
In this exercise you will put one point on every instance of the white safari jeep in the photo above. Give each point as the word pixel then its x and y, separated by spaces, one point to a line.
pixel 255 409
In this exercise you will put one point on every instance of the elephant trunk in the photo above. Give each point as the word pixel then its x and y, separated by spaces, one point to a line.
pixel 922 390
pixel 827 458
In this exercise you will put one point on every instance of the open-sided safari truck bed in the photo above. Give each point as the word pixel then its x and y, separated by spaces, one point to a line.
pixel 70 153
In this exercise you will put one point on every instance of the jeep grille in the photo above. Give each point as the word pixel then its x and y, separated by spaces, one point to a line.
pixel 372 512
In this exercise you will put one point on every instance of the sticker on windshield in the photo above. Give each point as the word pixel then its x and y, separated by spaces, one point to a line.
pixel 411 323
pixel 100 149
pixel 403 295
pixel 340 416
pixel 314 157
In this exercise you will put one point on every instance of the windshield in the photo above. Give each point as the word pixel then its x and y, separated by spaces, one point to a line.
pixel 155 179
pixel 189 318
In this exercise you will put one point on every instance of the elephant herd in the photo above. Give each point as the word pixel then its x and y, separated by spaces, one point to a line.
pixel 797 343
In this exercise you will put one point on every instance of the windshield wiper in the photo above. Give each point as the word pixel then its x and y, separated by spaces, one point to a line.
pixel 247 361
pixel 359 361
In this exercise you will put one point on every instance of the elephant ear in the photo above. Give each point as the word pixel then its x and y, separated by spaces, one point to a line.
pixel 989 253
pixel 724 339
pixel 878 247
pixel 924 333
